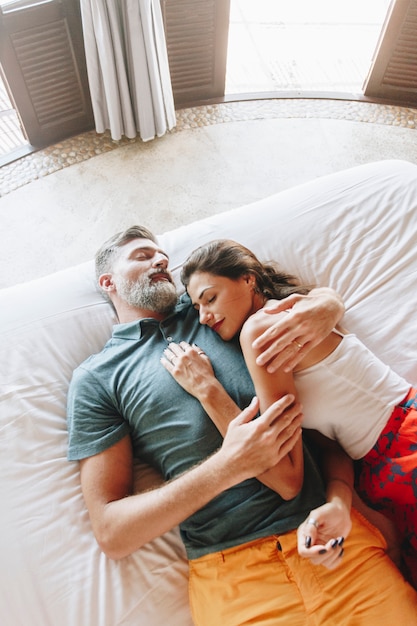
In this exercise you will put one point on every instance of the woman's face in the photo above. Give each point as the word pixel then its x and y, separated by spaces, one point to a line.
pixel 223 304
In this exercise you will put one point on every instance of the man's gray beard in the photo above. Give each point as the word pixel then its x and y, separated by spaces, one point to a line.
pixel 158 296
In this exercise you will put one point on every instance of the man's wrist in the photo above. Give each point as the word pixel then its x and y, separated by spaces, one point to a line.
pixel 332 300
pixel 227 472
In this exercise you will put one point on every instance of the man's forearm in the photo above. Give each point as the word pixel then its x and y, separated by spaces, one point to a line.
pixel 129 523
pixel 123 521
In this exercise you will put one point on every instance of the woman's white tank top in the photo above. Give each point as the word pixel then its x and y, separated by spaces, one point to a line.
pixel 350 395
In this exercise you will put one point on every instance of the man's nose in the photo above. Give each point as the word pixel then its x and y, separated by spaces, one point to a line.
pixel 160 260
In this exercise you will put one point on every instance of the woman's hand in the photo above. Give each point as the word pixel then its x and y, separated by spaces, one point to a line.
pixel 309 320
pixel 190 367
pixel 322 535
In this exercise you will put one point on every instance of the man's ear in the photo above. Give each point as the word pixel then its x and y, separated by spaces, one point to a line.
pixel 106 282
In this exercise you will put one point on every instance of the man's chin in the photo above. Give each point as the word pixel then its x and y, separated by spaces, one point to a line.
pixel 163 298
pixel 160 296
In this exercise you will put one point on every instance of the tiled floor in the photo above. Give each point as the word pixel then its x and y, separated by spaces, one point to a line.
pixel 58 205
pixel 274 45
pixel 82 147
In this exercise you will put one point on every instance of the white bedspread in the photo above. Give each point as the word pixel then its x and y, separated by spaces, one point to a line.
pixel 355 231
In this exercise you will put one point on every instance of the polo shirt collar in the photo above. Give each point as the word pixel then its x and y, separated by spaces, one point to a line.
pixel 134 330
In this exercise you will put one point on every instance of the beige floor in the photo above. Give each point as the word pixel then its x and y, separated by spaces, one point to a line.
pixel 60 204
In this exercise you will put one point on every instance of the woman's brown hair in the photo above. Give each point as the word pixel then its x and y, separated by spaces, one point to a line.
pixel 227 258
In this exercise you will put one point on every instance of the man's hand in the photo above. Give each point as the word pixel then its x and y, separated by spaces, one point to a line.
pixel 252 446
pixel 309 320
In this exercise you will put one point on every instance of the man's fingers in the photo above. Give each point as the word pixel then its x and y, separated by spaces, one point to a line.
pixel 272 413
pixel 275 410
pixel 294 359
pixel 289 437
pixel 249 413
pixel 265 339
pixel 286 357
pixel 282 305
pixel 278 351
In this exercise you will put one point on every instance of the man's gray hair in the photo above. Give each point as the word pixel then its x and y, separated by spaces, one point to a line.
pixel 106 255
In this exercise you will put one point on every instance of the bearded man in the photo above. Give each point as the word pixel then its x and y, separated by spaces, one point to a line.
pixel 248 565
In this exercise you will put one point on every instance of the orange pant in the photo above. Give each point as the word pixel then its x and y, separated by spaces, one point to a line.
pixel 266 583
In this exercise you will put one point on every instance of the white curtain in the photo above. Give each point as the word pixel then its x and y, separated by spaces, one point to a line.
pixel 127 65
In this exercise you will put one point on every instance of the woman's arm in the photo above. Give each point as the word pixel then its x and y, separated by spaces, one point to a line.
pixel 288 475
pixel 321 536
pixel 193 371
pixel 311 318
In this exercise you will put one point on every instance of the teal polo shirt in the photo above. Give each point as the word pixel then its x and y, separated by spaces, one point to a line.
pixel 124 390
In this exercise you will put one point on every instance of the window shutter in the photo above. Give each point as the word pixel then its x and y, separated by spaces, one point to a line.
pixel 393 74
pixel 42 59
pixel 196 33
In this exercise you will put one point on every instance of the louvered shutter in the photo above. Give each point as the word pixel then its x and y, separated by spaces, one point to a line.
pixel 196 33
pixel 42 59
pixel 393 74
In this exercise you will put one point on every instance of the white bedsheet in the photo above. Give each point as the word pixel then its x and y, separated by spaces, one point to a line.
pixel 355 231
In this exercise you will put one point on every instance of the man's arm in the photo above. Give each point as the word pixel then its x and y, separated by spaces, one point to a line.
pixel 310 319
pixel 123 521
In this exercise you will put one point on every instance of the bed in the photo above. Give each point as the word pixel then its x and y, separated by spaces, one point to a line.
pixel 354 230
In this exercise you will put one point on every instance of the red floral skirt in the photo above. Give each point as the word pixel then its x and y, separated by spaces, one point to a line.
pixel 388 475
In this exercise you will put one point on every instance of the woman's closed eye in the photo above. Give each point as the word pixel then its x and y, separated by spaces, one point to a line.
pixel 208 301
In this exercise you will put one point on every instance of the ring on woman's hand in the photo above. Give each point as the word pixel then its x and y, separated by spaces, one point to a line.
pixel 299 346
pixel 201 352
pixel 313 522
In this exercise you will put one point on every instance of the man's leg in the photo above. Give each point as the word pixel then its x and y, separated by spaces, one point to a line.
pixel 246 585
pixel 267 583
